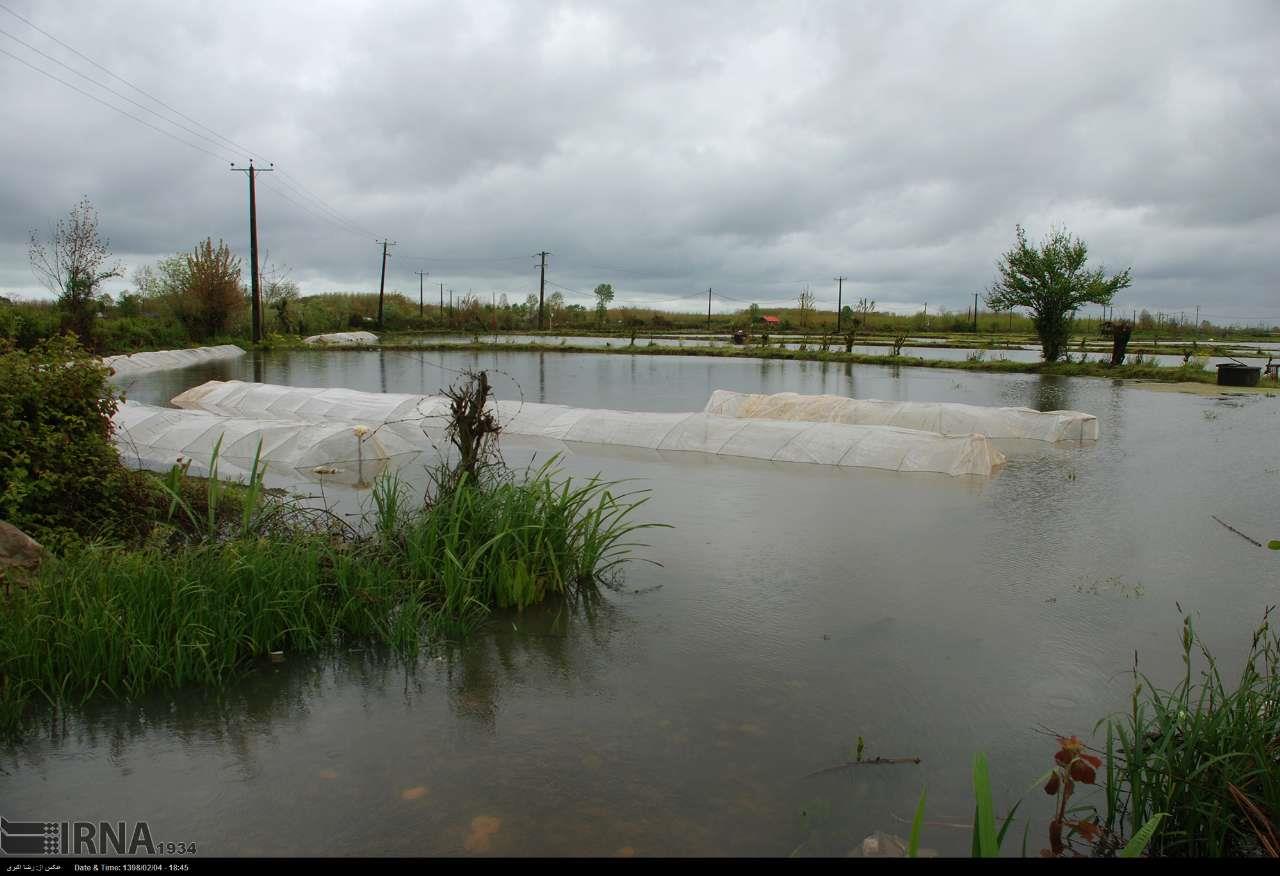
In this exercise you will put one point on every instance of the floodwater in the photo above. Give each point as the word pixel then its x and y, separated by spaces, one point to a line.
pixel 797 608
pixel 919 348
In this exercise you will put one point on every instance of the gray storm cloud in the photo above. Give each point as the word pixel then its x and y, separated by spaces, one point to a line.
pixel 665 147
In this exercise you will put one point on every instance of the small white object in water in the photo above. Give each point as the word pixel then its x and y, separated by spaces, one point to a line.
pixel 324 470
pixel 361 431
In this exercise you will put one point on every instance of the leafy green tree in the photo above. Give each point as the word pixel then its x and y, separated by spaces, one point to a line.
pixel 1053 281
pixel 211 294
pixel 753 313
pixel 604 294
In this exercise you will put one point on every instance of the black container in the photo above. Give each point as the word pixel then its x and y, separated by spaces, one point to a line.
pixel 1231 374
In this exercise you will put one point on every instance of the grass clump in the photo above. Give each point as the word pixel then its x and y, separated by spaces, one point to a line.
pixel 105 619
pixel 196 579
pixel 1206 752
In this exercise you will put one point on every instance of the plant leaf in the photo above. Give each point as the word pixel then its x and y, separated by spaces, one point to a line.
pixel 913 844
pixel 1136 846
pixel 984 819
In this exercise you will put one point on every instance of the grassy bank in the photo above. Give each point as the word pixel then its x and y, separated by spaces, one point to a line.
pixel 149 582
pixel 104 618
pixel 1189 373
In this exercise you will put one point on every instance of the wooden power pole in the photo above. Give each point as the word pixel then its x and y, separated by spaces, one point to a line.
pixel 708 308
pixel 382 284
pixel 421 275
pixel 542 289
pixel 839 299
pixel 253 244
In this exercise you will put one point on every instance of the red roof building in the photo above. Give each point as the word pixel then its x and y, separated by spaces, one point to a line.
pixel 770 320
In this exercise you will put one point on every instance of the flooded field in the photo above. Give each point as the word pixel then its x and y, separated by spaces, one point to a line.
pixel 1251 354
pixel 796 609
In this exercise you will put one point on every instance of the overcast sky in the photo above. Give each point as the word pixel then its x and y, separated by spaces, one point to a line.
pixel 665 147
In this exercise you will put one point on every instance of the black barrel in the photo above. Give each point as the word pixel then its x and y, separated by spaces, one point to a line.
pixel 1233 374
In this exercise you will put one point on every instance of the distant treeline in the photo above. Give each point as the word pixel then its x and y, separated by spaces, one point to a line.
pixel 165 310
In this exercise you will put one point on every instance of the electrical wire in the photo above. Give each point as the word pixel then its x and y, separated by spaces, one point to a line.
pixel 116 76
pixel 58 79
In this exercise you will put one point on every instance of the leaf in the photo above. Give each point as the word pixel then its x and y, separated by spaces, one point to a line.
pixel 1004 828
pixel 1274 544
pixel 1136 846
pixel 984 826
pixel 913 844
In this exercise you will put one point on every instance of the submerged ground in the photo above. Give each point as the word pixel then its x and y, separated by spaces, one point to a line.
pixel 797 608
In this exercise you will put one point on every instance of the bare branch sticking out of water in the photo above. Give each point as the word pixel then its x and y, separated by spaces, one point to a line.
pixel 1236 531
pixel 870 761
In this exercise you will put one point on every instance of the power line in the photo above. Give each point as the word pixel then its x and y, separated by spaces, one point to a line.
pixel 317 214
pixel 107 88
pixel 136 88
pixel 466 258
pixel 168 134
pixel 288 180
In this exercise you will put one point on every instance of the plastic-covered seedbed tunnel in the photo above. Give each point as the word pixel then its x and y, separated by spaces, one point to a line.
pixel 161 360
pixel 157 438
pixel 946 418
pixel 826 443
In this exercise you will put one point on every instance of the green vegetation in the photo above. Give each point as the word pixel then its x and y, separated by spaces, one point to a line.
pixel 1193 771
pixel 1205 752
pixel 1053 282
pixel 108 619
pixel 195 580
pixel 58 469
pixel 197 298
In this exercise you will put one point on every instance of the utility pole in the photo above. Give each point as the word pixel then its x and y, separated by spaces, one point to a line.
pixel 708 308
pixel 382 284
pixel 975 312
pixel 421 276
pixel 442 300
pixel 542 289
pixel 1197 320
pixel 253 243
pixel 839 299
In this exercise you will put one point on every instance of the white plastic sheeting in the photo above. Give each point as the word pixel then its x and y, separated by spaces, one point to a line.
pixel 884 447
pixel 159 360
pixel 343 338
pixel 946 418
pixel 156 438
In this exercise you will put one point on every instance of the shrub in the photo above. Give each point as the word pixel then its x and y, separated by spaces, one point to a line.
pixel 210 290
pixel 58 468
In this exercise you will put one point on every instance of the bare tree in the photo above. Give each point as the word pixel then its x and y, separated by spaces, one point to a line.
pixel 73 264
pixel 806 302
pixel 278 291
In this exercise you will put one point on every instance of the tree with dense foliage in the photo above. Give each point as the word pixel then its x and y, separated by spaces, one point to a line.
pixel 72 265
pixel 1053 281
pixel 604 294
pixel 211 294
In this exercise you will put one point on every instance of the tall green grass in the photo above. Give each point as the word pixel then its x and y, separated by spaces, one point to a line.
pixel 1206 752
pixel 102 619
